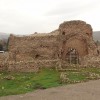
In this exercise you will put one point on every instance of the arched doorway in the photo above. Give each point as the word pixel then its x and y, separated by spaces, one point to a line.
pixel 72 56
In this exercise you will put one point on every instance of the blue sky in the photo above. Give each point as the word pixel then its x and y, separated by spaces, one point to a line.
pixel 43 16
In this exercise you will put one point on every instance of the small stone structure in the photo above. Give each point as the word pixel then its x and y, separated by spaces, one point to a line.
pixel 69 44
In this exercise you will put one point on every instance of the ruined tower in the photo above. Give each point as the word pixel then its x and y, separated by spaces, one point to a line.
pixel 75 40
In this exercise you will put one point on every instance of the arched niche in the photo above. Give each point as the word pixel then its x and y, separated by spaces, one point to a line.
pixel 72 56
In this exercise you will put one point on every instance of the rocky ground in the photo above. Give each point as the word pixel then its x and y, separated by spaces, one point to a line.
pixel 82 91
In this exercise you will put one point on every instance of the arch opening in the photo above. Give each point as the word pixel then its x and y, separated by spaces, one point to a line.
pixel 72 56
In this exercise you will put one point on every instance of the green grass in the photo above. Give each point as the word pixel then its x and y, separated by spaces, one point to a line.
pixel 25 82
pixel 18 83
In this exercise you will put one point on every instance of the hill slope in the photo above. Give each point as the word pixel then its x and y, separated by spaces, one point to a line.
pixel 4 35
pixel 96 35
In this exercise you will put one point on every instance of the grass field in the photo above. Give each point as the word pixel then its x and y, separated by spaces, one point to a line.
pixel 19 83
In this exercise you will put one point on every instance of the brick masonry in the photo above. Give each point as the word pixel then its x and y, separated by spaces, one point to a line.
pixel 29 53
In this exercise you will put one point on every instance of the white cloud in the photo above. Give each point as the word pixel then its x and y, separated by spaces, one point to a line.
pixel 28 16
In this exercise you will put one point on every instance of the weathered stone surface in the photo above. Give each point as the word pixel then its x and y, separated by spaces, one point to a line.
pixel 29 53
pixel 3 60
pixel 77 35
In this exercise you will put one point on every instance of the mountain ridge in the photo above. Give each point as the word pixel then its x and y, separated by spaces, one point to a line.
pixel 96 35
pixel 4 35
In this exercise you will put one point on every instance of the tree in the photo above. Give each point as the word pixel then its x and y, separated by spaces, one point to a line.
pixel 1 47
pixel 7 44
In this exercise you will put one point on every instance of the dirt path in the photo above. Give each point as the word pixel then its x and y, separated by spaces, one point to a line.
pixel 82 91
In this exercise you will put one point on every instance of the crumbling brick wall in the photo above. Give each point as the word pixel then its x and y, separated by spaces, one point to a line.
pixel 32 52
pixel 33 47
pixel 38 50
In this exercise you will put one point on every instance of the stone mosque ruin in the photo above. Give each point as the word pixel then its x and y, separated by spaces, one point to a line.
pixel 71 44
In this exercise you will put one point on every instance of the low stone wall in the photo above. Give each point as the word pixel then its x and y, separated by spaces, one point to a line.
pixel 22 67
pixel 91 61
pixel 3 60
pixel 31 66
pixel 35 65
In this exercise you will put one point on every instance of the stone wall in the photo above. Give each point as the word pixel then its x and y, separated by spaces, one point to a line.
pixel 33 47
pixel 3 60
pixel 31 66
pixel 76 35
pixel 29 53
pixel 75 27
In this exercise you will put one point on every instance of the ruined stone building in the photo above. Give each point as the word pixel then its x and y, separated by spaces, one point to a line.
pixel 70 43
